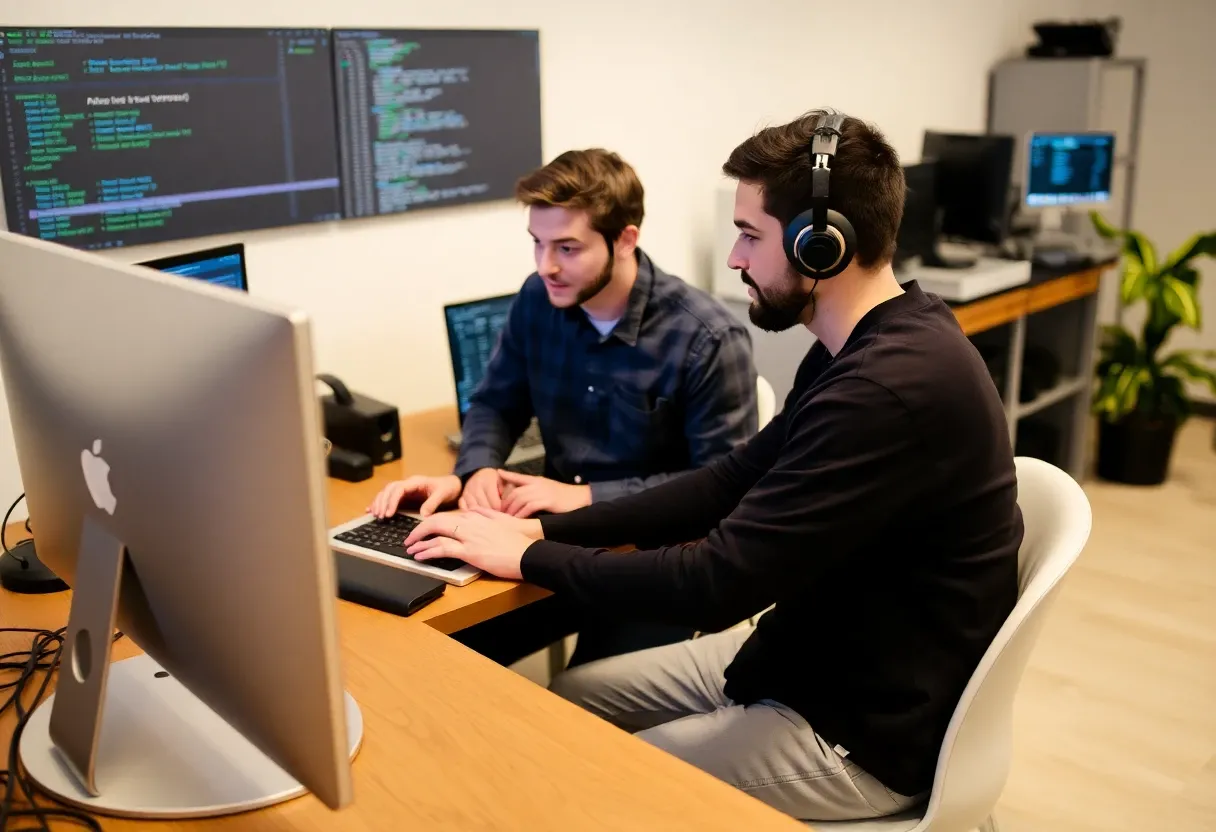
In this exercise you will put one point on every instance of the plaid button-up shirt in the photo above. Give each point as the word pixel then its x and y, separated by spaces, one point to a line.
pixel 671 388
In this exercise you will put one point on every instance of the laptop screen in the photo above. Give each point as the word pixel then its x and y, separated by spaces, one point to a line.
pixel 473 330
pixel 221 266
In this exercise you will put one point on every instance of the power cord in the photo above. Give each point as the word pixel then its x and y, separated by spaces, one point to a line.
pixel 4 529
pixel 19 802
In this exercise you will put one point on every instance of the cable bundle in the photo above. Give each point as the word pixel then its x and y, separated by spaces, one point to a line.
pixel 19 803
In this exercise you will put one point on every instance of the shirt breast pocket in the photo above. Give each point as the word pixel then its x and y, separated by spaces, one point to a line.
pixel 641 426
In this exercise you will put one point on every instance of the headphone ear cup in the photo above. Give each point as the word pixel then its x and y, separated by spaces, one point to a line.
pixel 794 238
pixel 819 254
pixel 841 224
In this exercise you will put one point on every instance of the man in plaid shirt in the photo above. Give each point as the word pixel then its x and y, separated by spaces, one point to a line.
pixel 633 375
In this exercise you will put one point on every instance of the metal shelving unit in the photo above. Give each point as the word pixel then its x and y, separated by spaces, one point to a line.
pixel 1076 95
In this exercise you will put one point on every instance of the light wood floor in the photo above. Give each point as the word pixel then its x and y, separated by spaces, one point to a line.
pixel 1115 722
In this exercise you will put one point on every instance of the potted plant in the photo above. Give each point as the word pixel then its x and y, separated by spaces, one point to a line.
pixel 1141 397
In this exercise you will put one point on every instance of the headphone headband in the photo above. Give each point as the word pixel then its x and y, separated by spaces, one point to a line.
pixel 823 150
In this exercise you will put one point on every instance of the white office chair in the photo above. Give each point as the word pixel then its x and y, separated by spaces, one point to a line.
pixel 766 401
pixel 974 760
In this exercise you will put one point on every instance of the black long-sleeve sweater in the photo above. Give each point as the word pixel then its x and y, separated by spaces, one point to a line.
pixel 877 511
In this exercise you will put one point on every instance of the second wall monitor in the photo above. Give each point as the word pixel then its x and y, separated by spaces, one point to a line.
pixel 432 117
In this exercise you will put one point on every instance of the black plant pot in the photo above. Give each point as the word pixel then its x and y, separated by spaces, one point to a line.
pixel 1136 450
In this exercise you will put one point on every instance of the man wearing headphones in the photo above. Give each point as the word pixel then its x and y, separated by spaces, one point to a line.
pixel 876 514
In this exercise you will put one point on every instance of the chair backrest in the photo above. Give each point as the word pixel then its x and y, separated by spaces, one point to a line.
pixel 974 761
pixel 766 401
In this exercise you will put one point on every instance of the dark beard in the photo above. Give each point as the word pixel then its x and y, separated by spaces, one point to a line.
pixel 599 284
pixel 780 310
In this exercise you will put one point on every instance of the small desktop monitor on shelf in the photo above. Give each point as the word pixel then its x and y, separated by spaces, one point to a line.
pixel 1064 169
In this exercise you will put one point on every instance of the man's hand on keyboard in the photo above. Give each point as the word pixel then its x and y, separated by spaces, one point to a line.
pixel 491 541
pixel 525 495
pixel 483 490
pixel 433 491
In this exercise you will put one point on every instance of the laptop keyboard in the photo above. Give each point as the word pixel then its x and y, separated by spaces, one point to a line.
pixel 387 535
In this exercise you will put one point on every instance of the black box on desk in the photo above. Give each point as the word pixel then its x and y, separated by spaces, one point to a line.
pixel 362 424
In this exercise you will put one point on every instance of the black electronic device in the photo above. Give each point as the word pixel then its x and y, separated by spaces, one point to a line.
pixel 430 117
pixel 350 466
pixel 115 135
pixel 820 242
pixel 1075 39
pixel 359 423
pixel 974 173
pixel 917 235
pixel 386 588
pixel 22 571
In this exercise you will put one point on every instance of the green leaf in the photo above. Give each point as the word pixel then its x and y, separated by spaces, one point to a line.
pixel 1140 252
pixel 1137 245
pixel 1104 228
pixel 1119 345
pixel 1186 274
pixel 1198 246
pixel 1181 299
pixel 1185 362
pixel 1135 282
pixel 1127 389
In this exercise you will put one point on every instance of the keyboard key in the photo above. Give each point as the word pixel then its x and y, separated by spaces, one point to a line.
pixel 387 535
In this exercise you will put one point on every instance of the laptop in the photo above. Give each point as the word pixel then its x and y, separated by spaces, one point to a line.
pixel 223 266
pixel 473 329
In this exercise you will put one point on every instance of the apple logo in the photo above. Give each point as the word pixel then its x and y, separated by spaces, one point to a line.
pixel 97 478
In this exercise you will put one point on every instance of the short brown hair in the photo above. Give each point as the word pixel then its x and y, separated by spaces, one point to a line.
pixel 596 181
pixel 867 182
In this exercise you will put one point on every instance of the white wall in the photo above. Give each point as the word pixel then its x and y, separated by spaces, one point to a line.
pixel 672 85
pixel 1176 185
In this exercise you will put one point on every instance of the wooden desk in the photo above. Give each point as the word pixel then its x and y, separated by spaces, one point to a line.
pixel 424 450
pixel 1006 307
pixel 453 741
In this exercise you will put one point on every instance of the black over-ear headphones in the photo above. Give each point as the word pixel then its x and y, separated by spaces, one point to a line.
pixel 820 242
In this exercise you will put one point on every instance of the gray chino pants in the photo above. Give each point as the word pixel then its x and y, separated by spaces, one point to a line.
pixel 672 698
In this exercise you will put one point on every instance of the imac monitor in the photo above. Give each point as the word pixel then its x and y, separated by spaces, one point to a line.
pixel 473 331
pixel 221 266
pixel 973 183
pixel 1069 168
pixel 169 439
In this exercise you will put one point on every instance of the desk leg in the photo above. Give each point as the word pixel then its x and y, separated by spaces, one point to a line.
pixel 1013 375
pixel 1079 446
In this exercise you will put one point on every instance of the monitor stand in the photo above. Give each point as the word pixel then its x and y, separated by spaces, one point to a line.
pixel 128 739
pixel 934 258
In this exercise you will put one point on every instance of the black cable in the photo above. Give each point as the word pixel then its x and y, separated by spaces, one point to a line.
pixel 43 656
pixel 4 529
